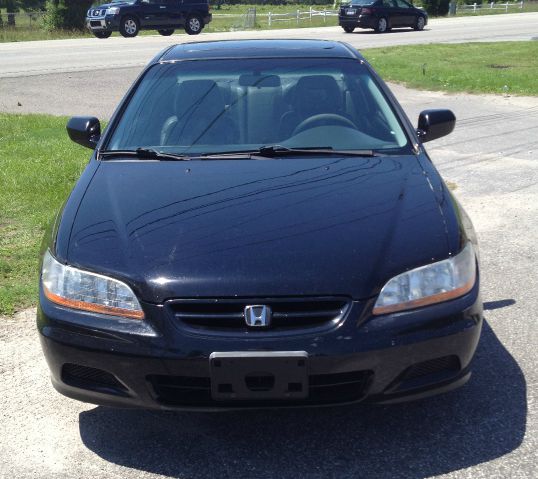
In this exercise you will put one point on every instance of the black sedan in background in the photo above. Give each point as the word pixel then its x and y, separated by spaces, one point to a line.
pixel 381 15
pixel 259 225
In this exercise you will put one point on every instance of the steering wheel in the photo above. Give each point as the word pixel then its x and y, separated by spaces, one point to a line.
pixel 323 119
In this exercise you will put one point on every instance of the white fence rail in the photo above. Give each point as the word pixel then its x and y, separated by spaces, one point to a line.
pixel 476 8
pixel 299 16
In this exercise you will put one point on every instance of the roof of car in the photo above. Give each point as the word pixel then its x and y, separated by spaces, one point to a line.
pixel 259 49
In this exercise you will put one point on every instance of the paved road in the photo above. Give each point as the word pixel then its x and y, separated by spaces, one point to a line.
pixel 34 58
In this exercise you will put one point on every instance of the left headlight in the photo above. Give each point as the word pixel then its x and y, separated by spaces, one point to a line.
pixel 430 284
pixel 78 289
pixel 113 10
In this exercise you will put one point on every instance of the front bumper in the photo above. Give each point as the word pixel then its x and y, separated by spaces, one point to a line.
pixel 100 24
pixel 156 365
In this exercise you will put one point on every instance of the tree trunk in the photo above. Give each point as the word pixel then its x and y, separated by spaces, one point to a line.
pixel 11 8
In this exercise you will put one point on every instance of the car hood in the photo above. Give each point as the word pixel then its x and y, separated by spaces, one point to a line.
pixel 108 5
pixel 258 228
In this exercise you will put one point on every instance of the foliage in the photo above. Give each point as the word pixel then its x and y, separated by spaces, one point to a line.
pixel 436 8
pixel 66 14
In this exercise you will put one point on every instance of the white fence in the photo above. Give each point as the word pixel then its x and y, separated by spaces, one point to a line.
pixel 299 16
pixel 476 8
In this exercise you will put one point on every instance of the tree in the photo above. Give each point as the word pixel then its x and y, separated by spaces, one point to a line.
pixel 66 14
pixel 14 6
pixel 436 8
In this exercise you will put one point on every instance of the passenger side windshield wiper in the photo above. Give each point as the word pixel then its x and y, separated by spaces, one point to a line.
pixel 143 154
pixel 273 151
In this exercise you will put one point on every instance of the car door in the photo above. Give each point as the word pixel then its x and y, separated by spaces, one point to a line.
pixel 406 14
pixel 154 13
pixel 175 11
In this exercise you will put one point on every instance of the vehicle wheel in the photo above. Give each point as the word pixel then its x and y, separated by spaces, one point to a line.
pixel 129 27
pixel 166 33
pixel 194 25
pixel 348 29
pixel 381 26
pixel 419 24
pixel 104 34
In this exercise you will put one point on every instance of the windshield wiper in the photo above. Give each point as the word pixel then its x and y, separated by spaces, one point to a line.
pixel 274 151
pixel 144 154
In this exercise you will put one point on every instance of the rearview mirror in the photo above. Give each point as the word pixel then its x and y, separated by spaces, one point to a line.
pixel 433 124
pixel 84 130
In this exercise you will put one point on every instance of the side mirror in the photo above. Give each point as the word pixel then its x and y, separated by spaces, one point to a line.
pixel 84 130
pixel 433 124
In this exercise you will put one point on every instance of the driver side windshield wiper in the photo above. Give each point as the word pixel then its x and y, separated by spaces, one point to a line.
pixel 274 151
pixel 143 154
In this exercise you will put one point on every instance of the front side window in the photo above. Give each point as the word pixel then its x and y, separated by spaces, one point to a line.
pixel 203 107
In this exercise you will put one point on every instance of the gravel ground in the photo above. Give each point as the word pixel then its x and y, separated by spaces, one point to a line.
pixel 487 429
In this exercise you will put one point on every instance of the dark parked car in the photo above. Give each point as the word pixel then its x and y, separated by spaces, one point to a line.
pixel 381 15
pixel 259 225
pixel 130 16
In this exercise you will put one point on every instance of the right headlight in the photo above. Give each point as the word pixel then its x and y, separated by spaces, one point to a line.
pixel 430 284
pixel 113 10
pixel 83 290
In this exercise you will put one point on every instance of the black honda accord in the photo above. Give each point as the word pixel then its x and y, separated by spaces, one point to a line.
pixel 259 226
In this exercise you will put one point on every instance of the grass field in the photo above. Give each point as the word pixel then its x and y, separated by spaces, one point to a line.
pixel 38 167
pixel 503 67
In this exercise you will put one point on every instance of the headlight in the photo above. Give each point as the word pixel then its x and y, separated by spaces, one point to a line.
pixel 78 289
pixel 429 284
pixel 113 10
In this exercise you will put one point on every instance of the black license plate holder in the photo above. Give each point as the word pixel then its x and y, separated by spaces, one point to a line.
pixel 253 375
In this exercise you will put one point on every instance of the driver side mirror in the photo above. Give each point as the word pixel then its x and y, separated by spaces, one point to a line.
pixel 433 124
pixel 84 130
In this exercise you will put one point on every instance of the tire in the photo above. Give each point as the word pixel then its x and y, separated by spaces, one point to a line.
pixel 419 23
pixel 382 25
pixel 194 25
pixel 129 27
pixel 348 29
pixel 167 32
pixel 102 34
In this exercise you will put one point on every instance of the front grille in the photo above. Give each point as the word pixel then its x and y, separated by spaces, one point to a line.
pixel 91 378
pixel 95 23
pixel 323 389
pixel 227 315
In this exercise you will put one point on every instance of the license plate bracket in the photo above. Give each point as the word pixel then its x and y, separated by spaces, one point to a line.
pixel 253 375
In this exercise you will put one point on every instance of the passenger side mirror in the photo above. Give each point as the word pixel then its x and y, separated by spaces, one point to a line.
pixel 433 124
pixel 84 130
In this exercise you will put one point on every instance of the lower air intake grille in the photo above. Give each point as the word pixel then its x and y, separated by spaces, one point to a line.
pixel 446 363
pixel 91 378
pixel 323 389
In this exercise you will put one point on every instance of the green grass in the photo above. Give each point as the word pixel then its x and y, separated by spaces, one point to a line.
pixel 503 67
pixel 38 167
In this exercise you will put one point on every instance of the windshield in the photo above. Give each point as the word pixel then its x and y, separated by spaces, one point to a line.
pixel 358 2
pixel 216 106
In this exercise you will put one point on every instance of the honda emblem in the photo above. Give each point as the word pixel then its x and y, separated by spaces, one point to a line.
pixel 258 316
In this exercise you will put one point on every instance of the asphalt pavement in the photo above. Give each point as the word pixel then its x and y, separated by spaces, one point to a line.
pixel 89 54
pixel 487 429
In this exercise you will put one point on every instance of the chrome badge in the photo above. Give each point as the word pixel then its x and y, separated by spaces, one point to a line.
pixel 258 316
